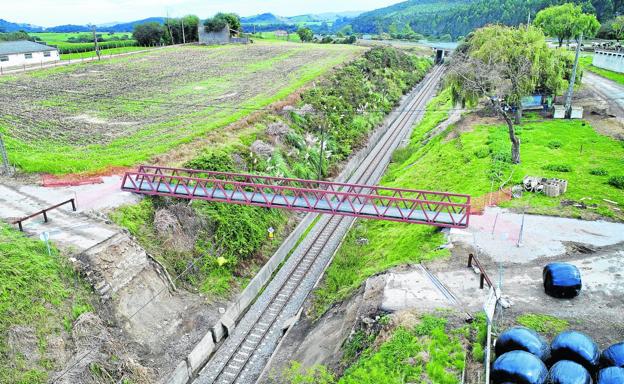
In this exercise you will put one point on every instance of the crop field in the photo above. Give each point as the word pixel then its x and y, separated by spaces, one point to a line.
pixel 61 41
pixel 119 112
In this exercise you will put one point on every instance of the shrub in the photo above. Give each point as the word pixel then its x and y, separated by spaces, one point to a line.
pixel 598 172
pixel 558 168
pixel 555 144
pixel 482 152
pixel 477 352
pixel 617 182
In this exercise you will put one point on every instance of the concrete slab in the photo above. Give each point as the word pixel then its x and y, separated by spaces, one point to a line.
pixel 497 233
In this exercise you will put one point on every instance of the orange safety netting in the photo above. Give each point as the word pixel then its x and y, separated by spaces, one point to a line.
pixel 491 199
pixel 75 179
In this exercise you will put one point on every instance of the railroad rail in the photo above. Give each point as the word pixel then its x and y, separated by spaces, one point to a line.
pixel 43 212
pixel 347 199
pixel 242 357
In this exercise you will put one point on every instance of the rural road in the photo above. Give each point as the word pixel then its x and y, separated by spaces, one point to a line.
pixel 610 91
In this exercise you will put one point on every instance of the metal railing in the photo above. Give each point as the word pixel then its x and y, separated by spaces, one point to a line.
pixel 43 212
pixel 484 276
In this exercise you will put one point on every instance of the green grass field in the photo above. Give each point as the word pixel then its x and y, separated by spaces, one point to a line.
pixel 123 111
pixel 467 164
pixel 103 52
pixel 270 36
pixel 59 40
pixel 40 293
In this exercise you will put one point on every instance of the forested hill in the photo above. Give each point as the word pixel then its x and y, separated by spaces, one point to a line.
pixel 458 17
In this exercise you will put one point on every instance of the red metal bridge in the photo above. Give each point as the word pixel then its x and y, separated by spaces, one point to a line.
pixel 371 202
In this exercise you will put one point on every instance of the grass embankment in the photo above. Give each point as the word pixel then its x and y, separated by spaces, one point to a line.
pixel 432 351
pixel 471 162
pixel 40 295
pixel 586 62
pixel 378 80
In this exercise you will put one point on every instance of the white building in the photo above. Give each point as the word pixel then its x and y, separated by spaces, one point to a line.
pixel 24 52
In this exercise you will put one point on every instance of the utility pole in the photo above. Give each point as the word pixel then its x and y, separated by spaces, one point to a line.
pixel 5 158
pixel 183 35
pixel 169 28
pixel 568 99
pixel 95 40
pixel 320 175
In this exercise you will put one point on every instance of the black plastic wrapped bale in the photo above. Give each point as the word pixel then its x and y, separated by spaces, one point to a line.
pixel 613 356
pixel 519 367
pixel 562 280
pixel 522 339
pixel 568 372
pixel 577 347
pixel 611 375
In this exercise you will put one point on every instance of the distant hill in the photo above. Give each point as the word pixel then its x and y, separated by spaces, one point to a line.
pixel 264 18
pixel 129 27
pixel 7 26
pixel 459 17
pixel 68 28
pixel 268 21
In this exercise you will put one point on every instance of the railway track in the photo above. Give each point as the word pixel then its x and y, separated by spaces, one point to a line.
pixel 243 355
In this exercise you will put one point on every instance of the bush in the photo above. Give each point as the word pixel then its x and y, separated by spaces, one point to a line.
pixel 558 168
pixel 598 172
pixel 617 182
pixel 482 152
pixel 555 144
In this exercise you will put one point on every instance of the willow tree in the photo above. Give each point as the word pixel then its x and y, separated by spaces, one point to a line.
pixel 566 22
pixel 502 65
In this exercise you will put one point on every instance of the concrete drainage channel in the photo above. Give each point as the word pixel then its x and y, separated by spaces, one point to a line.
pixel 251 342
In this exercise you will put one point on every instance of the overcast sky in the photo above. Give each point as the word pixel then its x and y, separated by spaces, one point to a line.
pixel 49 13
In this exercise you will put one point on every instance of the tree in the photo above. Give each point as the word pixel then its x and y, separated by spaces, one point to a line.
pixel 504 64
pixel 618 27
pixel 305 34
pixel 148 33
pixel 566 22
pixel 221 20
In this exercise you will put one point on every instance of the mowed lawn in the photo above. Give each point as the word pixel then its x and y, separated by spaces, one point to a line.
pixel 120 112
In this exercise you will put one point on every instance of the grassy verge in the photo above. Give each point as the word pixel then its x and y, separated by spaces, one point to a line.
pixel 545 324
pixel 471 162
pixel 39 293
pixel 103 53
pixel 431 352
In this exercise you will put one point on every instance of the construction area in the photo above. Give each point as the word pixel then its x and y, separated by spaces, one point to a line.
pixel 284 213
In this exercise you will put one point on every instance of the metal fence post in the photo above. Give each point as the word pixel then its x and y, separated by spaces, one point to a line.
pixel 5 158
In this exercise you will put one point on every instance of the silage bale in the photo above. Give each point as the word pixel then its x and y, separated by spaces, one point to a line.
pixel 568 372
pixel 613 356
pixel 577 347
pixel 562 280
pixel 611 375
pixel 519 367
pixel 522 339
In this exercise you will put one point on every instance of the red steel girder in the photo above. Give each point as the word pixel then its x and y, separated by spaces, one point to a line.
pixel 440 209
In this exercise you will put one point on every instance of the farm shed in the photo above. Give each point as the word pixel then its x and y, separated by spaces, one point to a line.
pixel 24 52
pixel 221 37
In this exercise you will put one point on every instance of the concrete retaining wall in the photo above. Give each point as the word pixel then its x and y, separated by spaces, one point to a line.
pixel 613 61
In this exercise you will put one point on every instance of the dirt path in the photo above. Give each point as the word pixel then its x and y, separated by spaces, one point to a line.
pixel 610 91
